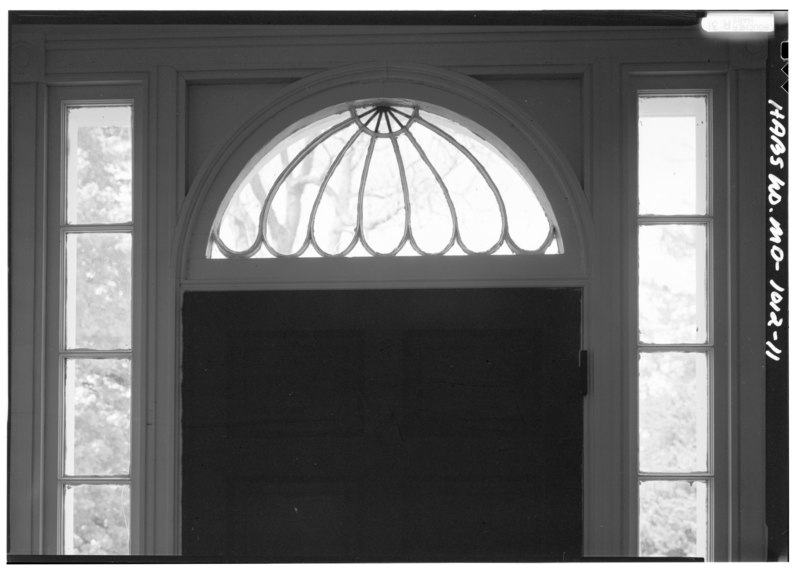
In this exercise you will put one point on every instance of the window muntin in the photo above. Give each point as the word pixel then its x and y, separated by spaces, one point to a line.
pixel 675 344
pixel 382 178
pixel 96 349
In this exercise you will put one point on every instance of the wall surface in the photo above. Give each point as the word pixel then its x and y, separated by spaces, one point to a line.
pixel 204 83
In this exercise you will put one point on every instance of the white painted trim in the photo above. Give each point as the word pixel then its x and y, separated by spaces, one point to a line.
pixel 747 235
pixel 166 141
pixel 25 456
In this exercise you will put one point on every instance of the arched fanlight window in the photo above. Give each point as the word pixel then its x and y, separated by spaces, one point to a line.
pixel 382 178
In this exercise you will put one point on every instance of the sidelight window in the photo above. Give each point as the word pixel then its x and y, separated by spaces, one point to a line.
pixel 675 341
pixel 95 347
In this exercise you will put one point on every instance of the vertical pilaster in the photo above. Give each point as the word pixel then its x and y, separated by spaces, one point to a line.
pixel 164 192
pixel 27 135
pixel 748 211
pixel 604 474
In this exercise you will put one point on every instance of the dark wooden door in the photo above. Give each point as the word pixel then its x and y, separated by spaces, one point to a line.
pixel 394 425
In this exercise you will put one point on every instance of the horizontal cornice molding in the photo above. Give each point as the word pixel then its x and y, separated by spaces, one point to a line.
pixel 78 36
pixel 141 50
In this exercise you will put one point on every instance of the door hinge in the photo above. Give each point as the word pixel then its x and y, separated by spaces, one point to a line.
pixel 583 366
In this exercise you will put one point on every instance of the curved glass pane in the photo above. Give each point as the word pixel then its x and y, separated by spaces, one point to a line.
pixel 336 217
pixel 383 212
pixel 239 228
pixel 381 179
pixel 293 195
pixel 527 222
pixel 480 222
pixel 432 223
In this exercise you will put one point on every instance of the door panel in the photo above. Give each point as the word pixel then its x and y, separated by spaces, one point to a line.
pixel 394 425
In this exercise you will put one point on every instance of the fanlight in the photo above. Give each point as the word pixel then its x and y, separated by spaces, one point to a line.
pixel 382 179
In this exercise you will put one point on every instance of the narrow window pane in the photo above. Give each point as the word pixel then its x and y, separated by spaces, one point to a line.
pixel 673 518
pixel 99 160
pixel 97 519
pixel 672 284
pixel 334 225
pixel 673 412
pixel 673 155
pixel 98 290
pixel 383 208
pixel 97 401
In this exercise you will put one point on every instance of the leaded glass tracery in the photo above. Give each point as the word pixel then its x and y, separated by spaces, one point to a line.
pixel 382 179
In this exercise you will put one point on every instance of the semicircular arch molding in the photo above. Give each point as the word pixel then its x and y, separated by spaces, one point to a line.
pixel 490 115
